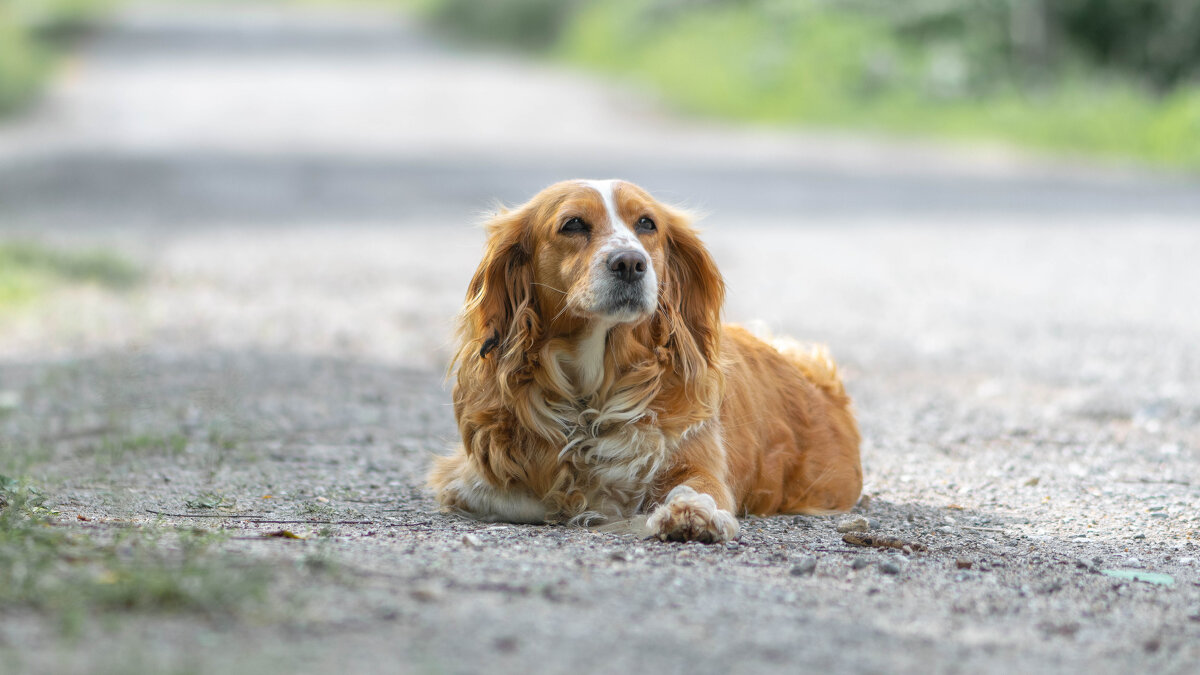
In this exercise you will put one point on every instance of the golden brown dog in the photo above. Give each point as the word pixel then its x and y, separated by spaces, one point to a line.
pixel 595 381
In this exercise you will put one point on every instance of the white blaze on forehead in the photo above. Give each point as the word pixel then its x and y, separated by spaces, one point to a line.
pixel 608 296
pixel 622 237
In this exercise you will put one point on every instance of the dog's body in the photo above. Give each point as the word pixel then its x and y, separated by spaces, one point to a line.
pixel 595 381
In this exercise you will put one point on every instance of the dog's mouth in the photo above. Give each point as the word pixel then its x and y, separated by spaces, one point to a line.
pixel 617 298
pixel 626 303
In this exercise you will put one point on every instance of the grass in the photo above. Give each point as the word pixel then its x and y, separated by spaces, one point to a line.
pixel 210 500
pixel 23 63
pixel 33 34
pixel 837 69
pixel 71 574
pixel 826 65
pixel 28 270
pixel 113 449
pixel 813 64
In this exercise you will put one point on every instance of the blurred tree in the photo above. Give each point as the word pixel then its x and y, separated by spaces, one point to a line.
pixel 31 32
pixel 1033 41
pixel 526 24
pixel 1158 40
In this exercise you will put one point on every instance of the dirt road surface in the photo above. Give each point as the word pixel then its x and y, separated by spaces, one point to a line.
pixel 1020 337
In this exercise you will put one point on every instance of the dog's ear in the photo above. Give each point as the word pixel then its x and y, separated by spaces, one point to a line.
pixel 692 296
pixel 498 312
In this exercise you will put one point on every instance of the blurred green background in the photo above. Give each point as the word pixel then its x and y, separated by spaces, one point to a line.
pixel 32 34
pixel 1100 78
pixel 1097 77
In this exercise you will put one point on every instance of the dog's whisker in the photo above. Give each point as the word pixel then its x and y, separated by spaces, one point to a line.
pixel 550 287
pixel 560 313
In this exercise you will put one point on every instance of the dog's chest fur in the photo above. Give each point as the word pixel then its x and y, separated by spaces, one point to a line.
pixel 612 446
pixel 613 459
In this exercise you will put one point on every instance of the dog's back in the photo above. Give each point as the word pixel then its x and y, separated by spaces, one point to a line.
pixel 788 430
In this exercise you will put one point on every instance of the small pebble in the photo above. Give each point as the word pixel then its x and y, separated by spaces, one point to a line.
pixel 859 563
pixel 1066 629
pixel 506 644
pixel 858 524
pixel 963 564
pixel 427 593
pixel 472 541
pixel 619 556
pixel 889 567
pixel 805 567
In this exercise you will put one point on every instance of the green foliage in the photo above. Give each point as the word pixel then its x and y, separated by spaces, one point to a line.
pixel 23 62
pixel 1155 39
pixel 31 33
pixel 525 24
pixel 28 269
pixel 731 62
pixel 1100 77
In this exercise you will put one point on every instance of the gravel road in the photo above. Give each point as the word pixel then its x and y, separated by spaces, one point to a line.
pixel 1019 334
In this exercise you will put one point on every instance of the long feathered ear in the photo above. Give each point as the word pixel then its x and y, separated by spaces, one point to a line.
pixel 497 313
pixel 693 295
pixel 497 329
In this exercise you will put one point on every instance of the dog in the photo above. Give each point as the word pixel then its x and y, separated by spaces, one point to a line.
pixel 594 381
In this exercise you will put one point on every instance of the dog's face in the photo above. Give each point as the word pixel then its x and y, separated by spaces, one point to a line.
pixel 599 245
pixel 585 254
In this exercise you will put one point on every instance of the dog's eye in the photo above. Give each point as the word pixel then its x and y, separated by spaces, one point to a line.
pixel 646 225
pixel 573 225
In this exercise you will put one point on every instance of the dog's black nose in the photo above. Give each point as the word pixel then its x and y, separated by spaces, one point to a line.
pixel 627 265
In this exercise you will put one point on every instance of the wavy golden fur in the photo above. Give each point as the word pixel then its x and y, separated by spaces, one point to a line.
pixel 594 381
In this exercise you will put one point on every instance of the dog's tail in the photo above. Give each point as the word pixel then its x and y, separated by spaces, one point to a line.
pixel 815 362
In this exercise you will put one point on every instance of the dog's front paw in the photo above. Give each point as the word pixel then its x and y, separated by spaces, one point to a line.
pixel 687 515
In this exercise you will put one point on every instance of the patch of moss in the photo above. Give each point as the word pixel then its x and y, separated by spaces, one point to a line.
pixel 28 270
pixel 72 573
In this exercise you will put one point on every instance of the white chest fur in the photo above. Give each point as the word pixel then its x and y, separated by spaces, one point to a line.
pixel 612 446
pixel 616 462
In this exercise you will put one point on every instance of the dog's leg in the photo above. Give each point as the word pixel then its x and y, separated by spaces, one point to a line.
pixel 688 515
pixel 699 505
pixel 459 487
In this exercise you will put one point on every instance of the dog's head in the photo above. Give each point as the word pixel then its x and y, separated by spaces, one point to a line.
pixel 583 254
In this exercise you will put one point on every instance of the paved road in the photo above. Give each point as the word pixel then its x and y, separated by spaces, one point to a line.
pixel 1019 336
pixel 188 118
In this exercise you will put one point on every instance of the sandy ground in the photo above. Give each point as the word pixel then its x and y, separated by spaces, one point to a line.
pixel 1019 336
